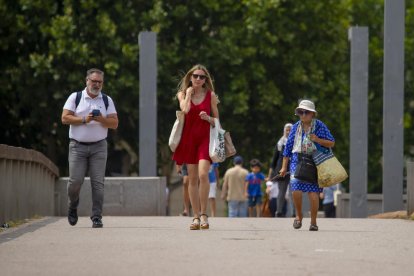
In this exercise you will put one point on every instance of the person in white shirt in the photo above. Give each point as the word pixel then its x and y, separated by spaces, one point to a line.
pixel 90 114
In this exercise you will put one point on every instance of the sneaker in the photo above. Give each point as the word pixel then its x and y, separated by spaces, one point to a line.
pixel 97 223
pixel 72 216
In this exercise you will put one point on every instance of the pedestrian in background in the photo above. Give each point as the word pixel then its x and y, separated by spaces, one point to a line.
pixel 182 170
pixel 197 100
pixel 304 134
pixel 290 205
pixel 89 118
pixel 234 189
pixel 272 191
pixel 213 177
pixel 253 187
pixel 327 197
pixel 273 175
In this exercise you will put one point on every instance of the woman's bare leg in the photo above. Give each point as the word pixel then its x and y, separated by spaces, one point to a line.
pixel 186 195
pixel 204 188
pixel 297 201
pixel 314 206
pixel 193 188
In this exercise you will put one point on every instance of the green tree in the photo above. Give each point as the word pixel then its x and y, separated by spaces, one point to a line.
pixel 264 55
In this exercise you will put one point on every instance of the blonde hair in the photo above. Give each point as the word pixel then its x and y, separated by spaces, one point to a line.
pixel 185 81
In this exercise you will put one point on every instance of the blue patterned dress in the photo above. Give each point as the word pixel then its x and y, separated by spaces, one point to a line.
pixel 322 131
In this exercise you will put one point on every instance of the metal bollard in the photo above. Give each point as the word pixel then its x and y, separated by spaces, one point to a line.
pixel 410 187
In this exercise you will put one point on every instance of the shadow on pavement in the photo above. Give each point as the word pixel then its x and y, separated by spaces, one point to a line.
pixel 32 226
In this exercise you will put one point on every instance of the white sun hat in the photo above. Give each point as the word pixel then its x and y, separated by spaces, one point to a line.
pixel 306 105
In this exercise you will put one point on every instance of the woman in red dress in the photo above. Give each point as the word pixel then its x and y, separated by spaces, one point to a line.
pixel 198 101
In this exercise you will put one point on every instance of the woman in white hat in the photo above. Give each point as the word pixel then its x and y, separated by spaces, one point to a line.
pixel 304 136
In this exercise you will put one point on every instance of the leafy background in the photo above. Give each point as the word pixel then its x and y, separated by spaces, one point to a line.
pixel 264 56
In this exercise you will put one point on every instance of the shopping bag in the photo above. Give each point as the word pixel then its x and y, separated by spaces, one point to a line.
pixel 176 131
pixel 228 145
pixel 217 149
pixel 330 170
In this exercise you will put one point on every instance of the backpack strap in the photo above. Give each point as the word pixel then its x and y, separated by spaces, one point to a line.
pixel 79 96
pixel 105 99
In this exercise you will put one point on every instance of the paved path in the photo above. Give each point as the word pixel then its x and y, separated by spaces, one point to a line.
pixel 165 246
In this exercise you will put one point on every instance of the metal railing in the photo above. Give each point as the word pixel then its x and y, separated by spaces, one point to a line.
pixel 27 184
pixel 410 187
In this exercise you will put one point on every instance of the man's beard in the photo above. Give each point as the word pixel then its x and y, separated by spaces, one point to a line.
pixel 95 91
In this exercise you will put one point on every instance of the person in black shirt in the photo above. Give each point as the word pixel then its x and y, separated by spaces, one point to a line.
pixel 274 169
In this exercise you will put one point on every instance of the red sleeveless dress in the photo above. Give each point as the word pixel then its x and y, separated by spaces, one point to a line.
pixel 195 138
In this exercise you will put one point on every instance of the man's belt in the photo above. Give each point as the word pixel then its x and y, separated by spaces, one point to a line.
pixel 86 143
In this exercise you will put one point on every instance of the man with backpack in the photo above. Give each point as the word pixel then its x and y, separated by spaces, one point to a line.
pixel 90 113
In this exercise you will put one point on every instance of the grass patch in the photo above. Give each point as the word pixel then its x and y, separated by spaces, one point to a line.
pixel 17 223
pixel 394 215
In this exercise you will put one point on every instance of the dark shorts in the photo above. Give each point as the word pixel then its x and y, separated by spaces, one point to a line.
pixel 184 171
pixel 255 200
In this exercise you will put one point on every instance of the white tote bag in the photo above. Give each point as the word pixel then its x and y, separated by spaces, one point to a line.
pixel 176 131
pixel 216 147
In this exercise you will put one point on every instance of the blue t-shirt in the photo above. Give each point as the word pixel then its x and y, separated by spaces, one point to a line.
pixel 255 181
pixel 212 173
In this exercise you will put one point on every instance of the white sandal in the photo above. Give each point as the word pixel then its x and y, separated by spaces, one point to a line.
pixel 195 225
pixel 204 224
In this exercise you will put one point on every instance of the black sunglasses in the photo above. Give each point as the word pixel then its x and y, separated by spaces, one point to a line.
pixel 95 81
pixel 201 77
pixel 301 112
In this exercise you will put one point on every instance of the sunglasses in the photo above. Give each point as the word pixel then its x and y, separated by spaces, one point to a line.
pixel 302 112
pixel 201 77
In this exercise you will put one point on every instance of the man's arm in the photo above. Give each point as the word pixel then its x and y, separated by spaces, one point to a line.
pixel 69 118
pixel 111 120
pixel 225 187
pixel 246 186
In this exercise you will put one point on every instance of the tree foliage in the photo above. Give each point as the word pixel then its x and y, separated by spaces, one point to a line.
pixel 264 55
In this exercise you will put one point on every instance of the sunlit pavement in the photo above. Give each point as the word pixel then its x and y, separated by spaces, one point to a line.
pixel 248 246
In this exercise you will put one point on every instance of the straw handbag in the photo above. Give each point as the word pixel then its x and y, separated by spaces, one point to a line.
pixel 330 170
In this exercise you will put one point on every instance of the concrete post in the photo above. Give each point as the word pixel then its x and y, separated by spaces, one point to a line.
pixel 393 106
pixel 410 187
pixel 358 180
pixel 147 104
